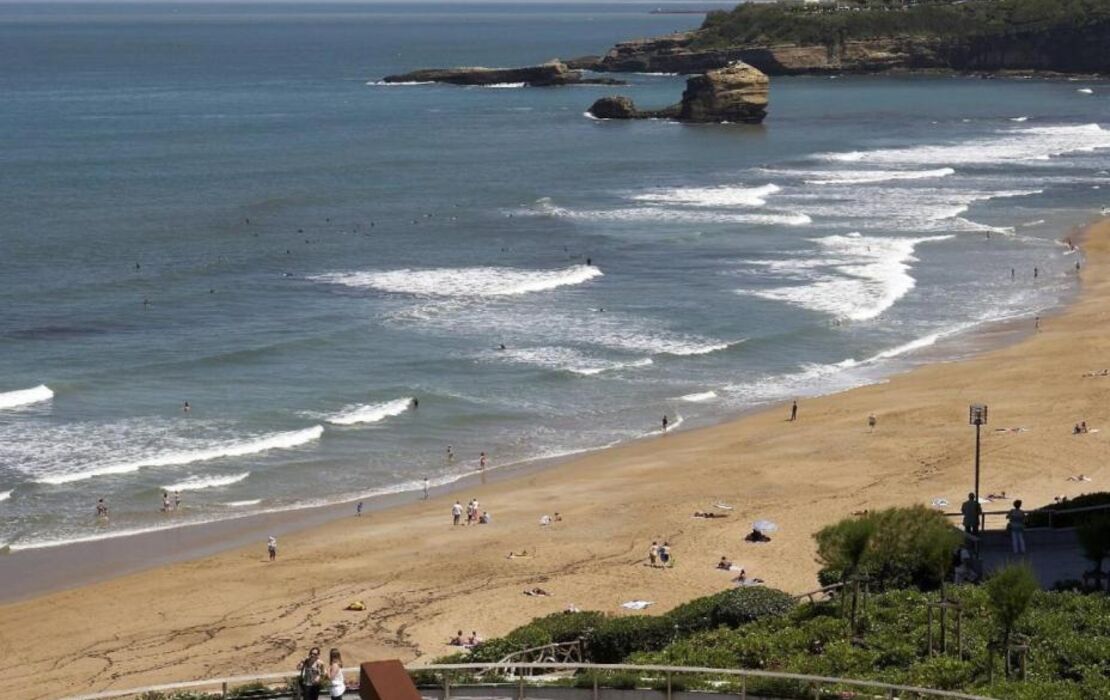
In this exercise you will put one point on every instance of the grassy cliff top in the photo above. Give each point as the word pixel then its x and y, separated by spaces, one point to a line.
pixel 768 24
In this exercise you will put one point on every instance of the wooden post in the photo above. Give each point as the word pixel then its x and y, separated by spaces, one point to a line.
pixel 743 688
pixel 223 690
pixel 668 685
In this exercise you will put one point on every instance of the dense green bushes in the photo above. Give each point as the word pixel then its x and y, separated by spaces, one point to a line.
pixel 894 548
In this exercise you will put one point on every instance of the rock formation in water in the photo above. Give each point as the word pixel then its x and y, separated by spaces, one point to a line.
pixel 548 74
pixel 735 93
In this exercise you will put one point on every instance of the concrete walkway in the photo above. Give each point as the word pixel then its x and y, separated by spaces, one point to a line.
pixel 1055 555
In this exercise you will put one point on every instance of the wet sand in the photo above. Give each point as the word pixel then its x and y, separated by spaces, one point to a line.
pixel 422 579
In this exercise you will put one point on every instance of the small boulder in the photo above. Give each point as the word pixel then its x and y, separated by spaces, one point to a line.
pixel 614 107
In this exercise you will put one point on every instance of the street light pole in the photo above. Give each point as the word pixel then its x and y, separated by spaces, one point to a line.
pixel 977 416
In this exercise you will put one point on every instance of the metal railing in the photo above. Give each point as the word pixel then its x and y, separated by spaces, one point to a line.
pixel 815 684
pixel 1052 513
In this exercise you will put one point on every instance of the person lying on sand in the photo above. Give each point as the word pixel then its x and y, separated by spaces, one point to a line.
pixel 757 536
pixel 707 514
pixel 722 505
pixel 743 580
pixel 1000 496
pixel 1079 477
pixel 523 555
pixel 1097 373
pixel 537 592
pixel 724 564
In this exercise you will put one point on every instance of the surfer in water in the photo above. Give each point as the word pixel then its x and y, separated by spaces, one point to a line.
pixel 501 347
pixel 186 407
pixel 101 510
pixel 415 403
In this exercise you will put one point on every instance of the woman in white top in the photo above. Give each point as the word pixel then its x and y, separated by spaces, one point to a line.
pixel 335 674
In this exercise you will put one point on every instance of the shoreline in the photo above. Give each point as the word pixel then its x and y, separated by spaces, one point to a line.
pixel 52 568
pixel 420 579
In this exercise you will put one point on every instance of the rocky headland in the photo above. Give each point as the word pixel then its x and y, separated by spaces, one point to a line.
pixel 736 93
pixel 969 37
pixel 550 74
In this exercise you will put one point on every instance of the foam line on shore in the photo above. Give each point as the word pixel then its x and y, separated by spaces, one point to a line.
pixel 464 282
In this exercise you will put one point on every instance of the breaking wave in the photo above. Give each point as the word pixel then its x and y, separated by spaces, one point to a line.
pixel 464 281
pixel 206 482
pixel 855 277
pixel 371 413
pixel 722 196
pixel 275 441
pixel 23 397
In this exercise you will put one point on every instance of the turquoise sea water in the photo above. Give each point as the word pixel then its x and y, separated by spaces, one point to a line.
pixel 316 249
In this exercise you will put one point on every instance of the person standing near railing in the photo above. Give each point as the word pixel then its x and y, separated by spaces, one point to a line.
pixel 972 513
pixel 1016 525
pixel 335 674
pixel 310 671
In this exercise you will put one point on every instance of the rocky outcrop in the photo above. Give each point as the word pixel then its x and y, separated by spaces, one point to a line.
pixel 678 53
pixel 548 74
pixel 735 93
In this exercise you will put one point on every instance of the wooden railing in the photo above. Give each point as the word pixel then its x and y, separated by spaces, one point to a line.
pixel 815 685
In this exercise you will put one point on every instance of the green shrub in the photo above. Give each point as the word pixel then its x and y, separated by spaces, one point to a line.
pixel 617 637
pixel 896 547
pixel 1040 516
pixel 743 605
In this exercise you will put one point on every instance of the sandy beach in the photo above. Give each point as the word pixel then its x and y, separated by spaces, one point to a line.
pixel 422 579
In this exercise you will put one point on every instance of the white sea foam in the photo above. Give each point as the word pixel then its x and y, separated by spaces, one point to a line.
pixel 242 504
pixel 568 360
pixel 700 397
pixel 1019 119
pixel 721 196
pixel 1009 145
pixel 371 413
pixel 464 281
pixel 856 177
pixel 383 83
pixel 501 85
pixel 196 483
pixel 23 397
pixel 275 441
pixel 1085 91
pixel 685 215
pixel 855 277
pixel 5 495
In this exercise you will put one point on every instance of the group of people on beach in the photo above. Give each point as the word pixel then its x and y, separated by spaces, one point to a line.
pixel 169 504
pixel 474 515
pixel 659 555
pixel 313 676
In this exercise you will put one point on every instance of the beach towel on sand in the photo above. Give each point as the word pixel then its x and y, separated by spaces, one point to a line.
pixel 637 604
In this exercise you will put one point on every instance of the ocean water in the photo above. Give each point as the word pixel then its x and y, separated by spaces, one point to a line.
pixel 315 249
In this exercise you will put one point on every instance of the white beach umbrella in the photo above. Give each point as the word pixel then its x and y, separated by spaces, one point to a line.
pixel 764 526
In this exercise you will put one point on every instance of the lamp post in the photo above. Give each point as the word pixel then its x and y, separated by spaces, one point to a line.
pixel 977 416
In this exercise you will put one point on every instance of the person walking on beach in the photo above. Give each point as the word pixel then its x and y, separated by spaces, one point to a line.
pixel 653 554
pixel 337 685
pixel 309 673
pixel 456 512
pixel 176 500
pixel 1037 323
pixel 665 554
pixel 1016 525
pixel 871 422
pixel 271 547
pixel 426 488
pixel 794 411
pixel 165 502
pixel 101 509
pixel 482 460
pixel 358 510
pixel 664 422
pixel 972 513
pixel 450 454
